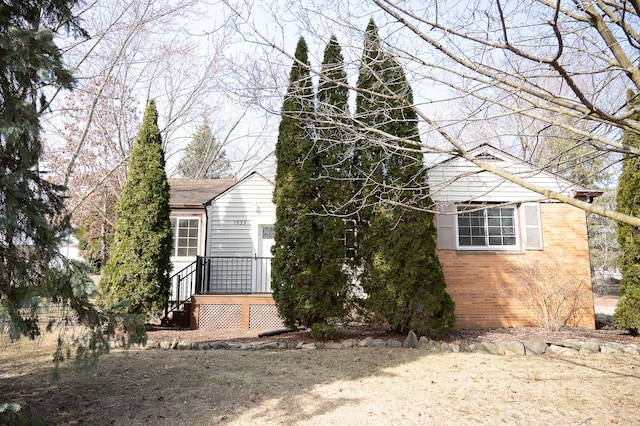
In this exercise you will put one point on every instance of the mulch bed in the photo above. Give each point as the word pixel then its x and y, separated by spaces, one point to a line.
pixel 360 332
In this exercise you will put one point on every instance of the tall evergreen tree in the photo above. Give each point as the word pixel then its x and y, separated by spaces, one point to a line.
pixel 30 206
pixel 32 217
pixel 137 272
pixel 368 160
pixel 401 273
pixel 330 284
pixel 33 223
pixel 627 314
pixel 293 263
pixel 204 157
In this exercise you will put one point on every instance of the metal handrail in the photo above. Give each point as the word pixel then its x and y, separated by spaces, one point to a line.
pixel 236 275
pixel 182 282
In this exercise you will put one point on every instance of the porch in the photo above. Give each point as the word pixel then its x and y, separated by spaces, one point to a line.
pixel 223 292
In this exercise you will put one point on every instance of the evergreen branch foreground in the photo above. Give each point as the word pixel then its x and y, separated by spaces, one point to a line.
pixel 35 278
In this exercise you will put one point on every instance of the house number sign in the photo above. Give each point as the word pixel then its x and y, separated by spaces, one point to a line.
pixel 240 222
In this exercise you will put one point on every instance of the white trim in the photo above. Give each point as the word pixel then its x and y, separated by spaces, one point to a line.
pixel 174 247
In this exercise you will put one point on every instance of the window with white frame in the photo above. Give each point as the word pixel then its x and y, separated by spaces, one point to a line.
pixel 482 227
pixel 186 233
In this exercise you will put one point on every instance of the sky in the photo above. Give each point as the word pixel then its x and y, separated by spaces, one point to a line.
pixel 238 53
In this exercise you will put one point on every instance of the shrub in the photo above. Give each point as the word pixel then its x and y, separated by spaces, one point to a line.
pixel 552 299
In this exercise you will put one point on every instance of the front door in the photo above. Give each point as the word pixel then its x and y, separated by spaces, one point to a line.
pixel 266 235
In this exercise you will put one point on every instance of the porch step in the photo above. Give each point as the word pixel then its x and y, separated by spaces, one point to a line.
pixel 178 319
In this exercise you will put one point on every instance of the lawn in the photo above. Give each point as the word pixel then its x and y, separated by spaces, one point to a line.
pixel 374 386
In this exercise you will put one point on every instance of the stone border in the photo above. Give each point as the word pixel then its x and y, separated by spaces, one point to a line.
pixel 567 347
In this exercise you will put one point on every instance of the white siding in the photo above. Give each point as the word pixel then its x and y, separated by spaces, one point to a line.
pixel 459 180
pixel 235 217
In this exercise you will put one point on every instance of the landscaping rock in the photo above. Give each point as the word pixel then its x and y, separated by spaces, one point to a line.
pixel 367 341
pixel 449 347
pixel 393 343
pixel 333 345
pixel 268 345
pixel 564 347
pixel 486 348
pixel 183 345
pixel 151 344
pixel 379 343
pixel 632 349
pixel 434 346
pixel 349 343
pixel 611 348
pixel 590 348
pixel 465 347
pixel 510 348
pixel 561 350
pixel 534 347
pixel 423 343
pixel 571 343
pixel 411 341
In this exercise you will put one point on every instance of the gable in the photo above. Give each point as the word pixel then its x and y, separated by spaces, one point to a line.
pixel 237 217
pixel 253 185
pixel 458 179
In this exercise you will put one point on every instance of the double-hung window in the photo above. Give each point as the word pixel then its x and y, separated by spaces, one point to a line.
pixel 481 227
pixel 186 233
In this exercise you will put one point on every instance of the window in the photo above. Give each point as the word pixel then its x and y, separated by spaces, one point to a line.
pixel 186 233
pixel 491 228
pixel 268 232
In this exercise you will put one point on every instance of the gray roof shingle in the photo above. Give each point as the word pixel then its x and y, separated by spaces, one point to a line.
pixel 197 192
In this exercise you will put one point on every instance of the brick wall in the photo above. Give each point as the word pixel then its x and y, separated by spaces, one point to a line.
pixel 490 289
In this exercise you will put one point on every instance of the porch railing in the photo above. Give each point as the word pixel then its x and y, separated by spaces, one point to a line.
pixel 219 275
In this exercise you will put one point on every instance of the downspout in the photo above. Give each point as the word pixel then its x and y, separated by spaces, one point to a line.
pixel 206 228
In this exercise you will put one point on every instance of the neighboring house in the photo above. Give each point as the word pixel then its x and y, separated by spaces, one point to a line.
pixel 69 248
pixel 499 246
pixel 506 254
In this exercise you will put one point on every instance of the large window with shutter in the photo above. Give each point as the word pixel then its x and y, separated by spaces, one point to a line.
pixel 489 227
pixel 479 227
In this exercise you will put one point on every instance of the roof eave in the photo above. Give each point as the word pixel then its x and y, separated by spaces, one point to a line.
pixel 187 205
pixel 586 193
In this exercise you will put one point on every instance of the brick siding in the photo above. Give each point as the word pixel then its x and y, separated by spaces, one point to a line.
pixel 488 288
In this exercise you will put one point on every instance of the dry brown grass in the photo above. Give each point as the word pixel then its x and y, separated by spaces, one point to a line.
pixel 350 386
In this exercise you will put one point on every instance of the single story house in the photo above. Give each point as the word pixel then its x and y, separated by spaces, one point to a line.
pixel 503 248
